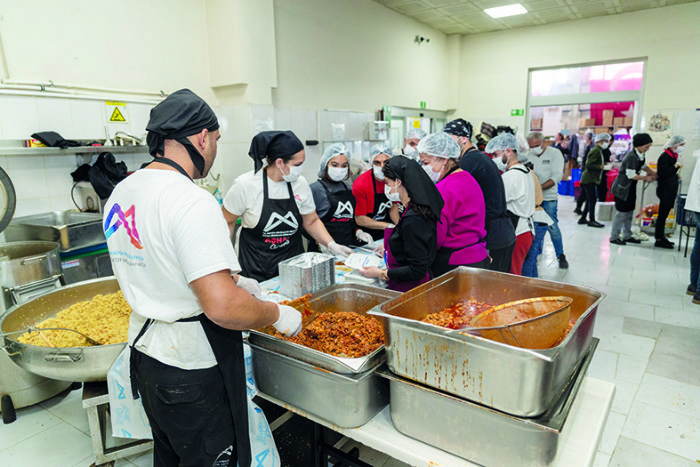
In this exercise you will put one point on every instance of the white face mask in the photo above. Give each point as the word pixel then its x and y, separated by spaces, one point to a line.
pixel 605 145
pixel 679 149
pixel 337 173
pixel 537 151
pixel 294 173
pixel 411 152
pixel 392 196
pixel 377 171
pixel 502 166
pixel 434 176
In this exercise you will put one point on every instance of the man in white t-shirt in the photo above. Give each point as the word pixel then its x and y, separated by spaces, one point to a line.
pixel 175 264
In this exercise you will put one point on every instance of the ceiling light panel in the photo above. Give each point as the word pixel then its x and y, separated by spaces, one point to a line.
pixel 506 10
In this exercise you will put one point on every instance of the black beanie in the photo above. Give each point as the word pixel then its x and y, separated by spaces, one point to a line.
pixel 641 139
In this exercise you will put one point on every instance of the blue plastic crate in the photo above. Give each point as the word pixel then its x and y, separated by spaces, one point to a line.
pixel 566 188
pixel 684 217
pixel 575 174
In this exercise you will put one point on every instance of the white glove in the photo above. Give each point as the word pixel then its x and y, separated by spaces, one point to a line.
pixel 249 285
pixel 364 237
pixel 289 322
pixel 338 250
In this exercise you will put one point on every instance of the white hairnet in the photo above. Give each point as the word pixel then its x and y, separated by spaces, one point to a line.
pixel 439 145
pixel 523 148
pixel 602 137
pixel 674 141
pixel 330 152
pixel 379 148
pixel 501 143
pixel 416 133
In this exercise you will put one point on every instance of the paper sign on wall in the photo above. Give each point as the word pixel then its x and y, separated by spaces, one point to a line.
pixel 116 112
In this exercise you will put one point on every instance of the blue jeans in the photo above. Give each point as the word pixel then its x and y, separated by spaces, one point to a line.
pixel 550 207
pixel 530 263
pixel 695 255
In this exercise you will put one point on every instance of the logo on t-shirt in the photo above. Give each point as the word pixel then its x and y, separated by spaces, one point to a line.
pixel 123 221
pixel 344 210
pixel 383 207
pixel 275 220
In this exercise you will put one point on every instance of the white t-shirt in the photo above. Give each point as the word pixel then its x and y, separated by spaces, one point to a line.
pixel 520 196
pixel 548 165
pixel 163 232
pixel 245 197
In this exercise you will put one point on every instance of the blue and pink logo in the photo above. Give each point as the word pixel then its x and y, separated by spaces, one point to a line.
pixel 123 220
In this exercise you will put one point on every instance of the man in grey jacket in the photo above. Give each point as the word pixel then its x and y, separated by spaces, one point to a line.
pixel 548 165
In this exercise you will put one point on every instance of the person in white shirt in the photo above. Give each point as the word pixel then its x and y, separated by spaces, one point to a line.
pixel 692 203
pixel 274 204
pixel 520 195
pixel 548 165
pixel 175 264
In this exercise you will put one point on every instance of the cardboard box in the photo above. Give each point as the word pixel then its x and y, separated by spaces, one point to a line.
pixel 586 122
pixel 628 121
pixel 536 124
pixel 600 130
pixel 619 121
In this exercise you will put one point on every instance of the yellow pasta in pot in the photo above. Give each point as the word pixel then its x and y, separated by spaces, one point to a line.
pixel 105 319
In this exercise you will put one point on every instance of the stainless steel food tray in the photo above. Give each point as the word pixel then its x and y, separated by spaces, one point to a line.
pixel 70 229
pixel 338 297
pixel 475 368
pixel 347 401
pixel 479 433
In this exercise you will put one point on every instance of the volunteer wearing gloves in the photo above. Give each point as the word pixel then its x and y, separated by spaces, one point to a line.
pixel 461 235
pixel 372 212
pixel 590 179
pixel 274 204
pixel 520 194
pixel 335 204
pixel 500 235
pixel 624 188
pixel 667 186
pixel 176 266
pixel 410 247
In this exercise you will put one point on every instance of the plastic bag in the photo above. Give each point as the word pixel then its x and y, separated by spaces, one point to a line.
pixel 128 416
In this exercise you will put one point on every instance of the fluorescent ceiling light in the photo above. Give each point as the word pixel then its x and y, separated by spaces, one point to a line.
pixel 506 10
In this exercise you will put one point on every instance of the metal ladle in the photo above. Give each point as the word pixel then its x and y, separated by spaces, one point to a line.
pixel 38 330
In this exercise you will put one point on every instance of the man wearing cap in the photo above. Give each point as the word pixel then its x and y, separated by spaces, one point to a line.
pixel 624 189
pixel 175 264
pixel 500 234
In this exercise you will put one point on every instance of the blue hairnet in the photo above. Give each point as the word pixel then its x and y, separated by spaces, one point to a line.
pixel 674 141
pixel 416 133
pixel 501 143
pixel 439 145
pixel 330 152
pixel 379 148
pixel 602 137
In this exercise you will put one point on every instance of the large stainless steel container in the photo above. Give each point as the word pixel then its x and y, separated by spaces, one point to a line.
pixel 347 401
pixel 338 297
pixel 67 363
pixel 476 432
pixel 306 273
pixel 70 229
pixel 475 368
pixel 23 263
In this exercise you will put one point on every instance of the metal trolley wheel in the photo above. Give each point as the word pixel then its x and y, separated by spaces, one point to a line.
pixel 8 200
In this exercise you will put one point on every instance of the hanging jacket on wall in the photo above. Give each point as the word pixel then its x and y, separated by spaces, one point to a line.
pixel 104 174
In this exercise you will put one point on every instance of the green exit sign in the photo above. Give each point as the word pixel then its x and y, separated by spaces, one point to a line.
pixel 422 104
pixel 517 112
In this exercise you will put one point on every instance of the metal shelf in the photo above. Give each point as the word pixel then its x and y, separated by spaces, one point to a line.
pixel 79 150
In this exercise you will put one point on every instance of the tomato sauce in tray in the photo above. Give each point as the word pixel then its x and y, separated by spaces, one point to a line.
pixel 458 315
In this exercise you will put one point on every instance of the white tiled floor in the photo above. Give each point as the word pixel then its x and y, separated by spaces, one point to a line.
pixel 650 348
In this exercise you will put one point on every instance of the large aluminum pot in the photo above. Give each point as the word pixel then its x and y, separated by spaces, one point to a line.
pixel 67 363
pixel 26 262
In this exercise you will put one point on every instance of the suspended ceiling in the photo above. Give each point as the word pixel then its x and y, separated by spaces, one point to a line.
pixel 468 17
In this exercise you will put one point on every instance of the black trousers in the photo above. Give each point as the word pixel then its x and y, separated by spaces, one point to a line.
pixel 665 206
pixel 589 189
pixel 189 415
pixel 501 258
pixel 603 187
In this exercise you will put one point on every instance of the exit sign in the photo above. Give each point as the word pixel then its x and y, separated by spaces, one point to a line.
pixel 422 104
pixel 517 112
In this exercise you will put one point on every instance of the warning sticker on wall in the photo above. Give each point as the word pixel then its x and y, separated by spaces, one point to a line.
pixel 116 112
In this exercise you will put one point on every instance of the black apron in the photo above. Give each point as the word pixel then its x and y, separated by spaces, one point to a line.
pixel 340 218
pixel 227 346
pixel 380 211
pixel 276 237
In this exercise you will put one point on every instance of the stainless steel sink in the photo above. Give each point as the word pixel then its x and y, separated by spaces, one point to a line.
pixel 72 230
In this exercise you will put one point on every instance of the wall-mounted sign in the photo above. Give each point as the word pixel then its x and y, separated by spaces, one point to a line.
pixel 116 112
pixel 422 104
pixel 517 112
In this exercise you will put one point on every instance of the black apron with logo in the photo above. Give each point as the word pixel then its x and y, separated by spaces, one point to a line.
pixel 227 346
pixel 380 211
pixel 276 237
pixel 340 218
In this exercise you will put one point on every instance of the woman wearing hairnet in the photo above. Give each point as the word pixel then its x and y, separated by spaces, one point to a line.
pixel 274 203
pixel 373 208
pixel 667 186
pixel 590 179
pixel 335 203
pixel 410 247
pixel 461 232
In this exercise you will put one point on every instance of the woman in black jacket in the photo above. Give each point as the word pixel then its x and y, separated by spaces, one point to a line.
pixel 667 186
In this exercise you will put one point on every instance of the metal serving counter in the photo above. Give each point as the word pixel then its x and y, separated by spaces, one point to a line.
pixel 578 443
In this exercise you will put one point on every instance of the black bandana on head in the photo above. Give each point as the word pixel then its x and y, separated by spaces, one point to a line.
pixel 181 114
pixel 273 144
pixel 459 127
pixel 419 186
